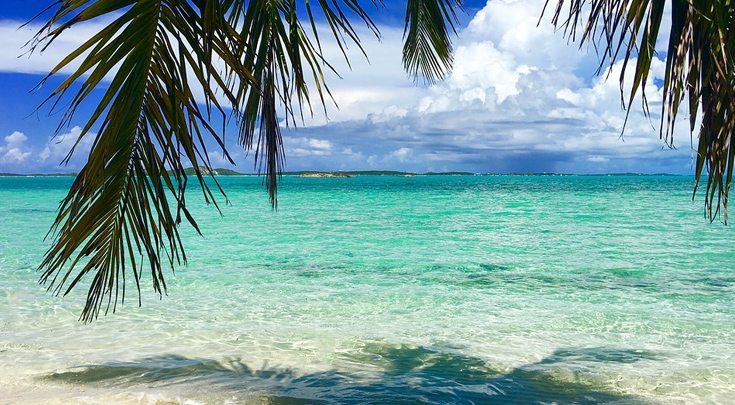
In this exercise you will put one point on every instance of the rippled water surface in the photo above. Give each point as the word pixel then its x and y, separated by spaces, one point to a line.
pixel 392 290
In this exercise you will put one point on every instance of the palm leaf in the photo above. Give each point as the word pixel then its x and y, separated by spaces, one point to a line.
pixel 427 49
pixel 281 55
pixel 122 212
pixel 149 122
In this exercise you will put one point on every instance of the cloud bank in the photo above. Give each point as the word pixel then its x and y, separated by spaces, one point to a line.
pixel 519 99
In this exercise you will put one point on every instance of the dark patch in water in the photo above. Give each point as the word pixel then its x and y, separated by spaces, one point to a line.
pixel 406 374
pixel 30 211
pixel 321 271
pixel 493 267
pixel 479 280
pixel 478 268
pixel 311 274
pixel 472 275
pixel 496 280
pixel 717 281
pixel 629 273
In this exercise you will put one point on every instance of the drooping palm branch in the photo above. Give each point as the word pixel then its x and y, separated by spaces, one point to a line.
pixel 427 51
pixel 149 123
pixel 700 70
pixel 252 60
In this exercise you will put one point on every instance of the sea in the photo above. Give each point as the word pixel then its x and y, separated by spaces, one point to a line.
pixel 391 290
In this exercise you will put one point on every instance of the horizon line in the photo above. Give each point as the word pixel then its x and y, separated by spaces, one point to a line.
pixel 233 173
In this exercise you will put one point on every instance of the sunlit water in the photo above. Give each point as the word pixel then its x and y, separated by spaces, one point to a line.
pixel 390 290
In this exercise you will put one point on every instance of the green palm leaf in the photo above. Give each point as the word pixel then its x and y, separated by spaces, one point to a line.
pixel 123 210
pixel 149 122
pixel 427 51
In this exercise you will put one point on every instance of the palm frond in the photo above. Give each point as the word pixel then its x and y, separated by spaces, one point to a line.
pixel 149 122
pixel 427 49
pixel 252 60
pixel 700 70
pixel 281 53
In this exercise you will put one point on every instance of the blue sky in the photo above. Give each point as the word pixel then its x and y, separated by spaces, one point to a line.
pixel 519 99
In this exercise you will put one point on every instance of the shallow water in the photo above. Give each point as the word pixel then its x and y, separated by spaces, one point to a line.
pixel 390 290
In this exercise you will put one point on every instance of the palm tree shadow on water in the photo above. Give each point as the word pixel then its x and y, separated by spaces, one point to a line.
pixel 407 375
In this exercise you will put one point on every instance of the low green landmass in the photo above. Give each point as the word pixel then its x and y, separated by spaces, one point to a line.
pixel 321 174
pixel 353 173
pixel 189 171
pixel 635 174
pixel 533 174
pixel 449 174
pixel 37 174
pixel 380 173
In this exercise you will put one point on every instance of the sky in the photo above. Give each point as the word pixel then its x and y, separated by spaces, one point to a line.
pixel 520 98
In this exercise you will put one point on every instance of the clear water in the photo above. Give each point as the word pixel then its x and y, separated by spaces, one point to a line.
pixel 391 290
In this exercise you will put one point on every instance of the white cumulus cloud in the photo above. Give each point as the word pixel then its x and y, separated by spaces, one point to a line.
pixel 16 138
pixel 18 154
pixel 13 152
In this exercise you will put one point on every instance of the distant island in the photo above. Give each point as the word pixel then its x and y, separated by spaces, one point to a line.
pixel 304 174
pixel 37 174
pixel 189 171
pixel 331 174
pixel 353 173
pixel 322 174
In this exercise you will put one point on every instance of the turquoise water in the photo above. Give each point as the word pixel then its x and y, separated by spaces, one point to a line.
pixel 394 290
